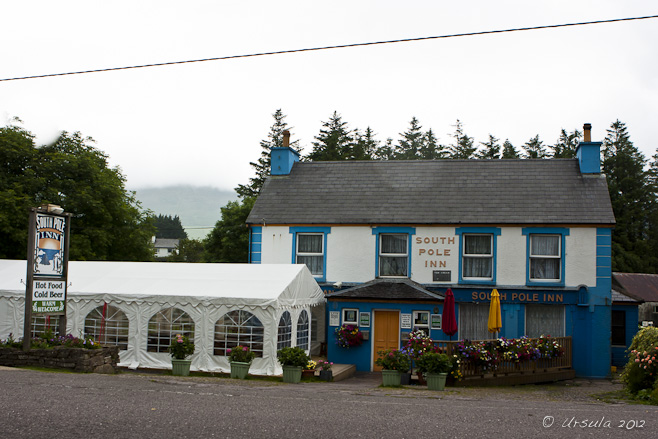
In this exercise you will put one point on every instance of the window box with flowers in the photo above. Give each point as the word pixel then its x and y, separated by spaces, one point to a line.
pixel 309 369
pixel 181 347
pixel 240 358
pixel 349 336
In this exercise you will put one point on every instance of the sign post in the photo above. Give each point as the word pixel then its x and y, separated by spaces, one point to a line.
pixel 47 266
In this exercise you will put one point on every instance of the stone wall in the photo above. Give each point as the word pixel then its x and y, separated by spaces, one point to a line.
pixel 102 360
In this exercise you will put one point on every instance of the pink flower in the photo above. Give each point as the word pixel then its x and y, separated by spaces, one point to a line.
pixel 180 340
pixel 245 348
pixel 637 361
pixel 228 351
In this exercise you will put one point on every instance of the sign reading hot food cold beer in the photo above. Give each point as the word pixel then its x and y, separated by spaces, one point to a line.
pixel 49 248
pixel 48 296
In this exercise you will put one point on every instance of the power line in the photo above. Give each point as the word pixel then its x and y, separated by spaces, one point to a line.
pixel 343 46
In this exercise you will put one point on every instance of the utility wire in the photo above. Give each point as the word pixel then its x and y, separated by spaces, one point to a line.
pixel 343 46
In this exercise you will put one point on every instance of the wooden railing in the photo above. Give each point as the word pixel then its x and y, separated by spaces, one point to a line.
pixel 470 370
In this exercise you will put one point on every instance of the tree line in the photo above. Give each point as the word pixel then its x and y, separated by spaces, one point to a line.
pixel 110 224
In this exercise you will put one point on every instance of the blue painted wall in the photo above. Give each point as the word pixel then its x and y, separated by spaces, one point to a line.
pixel 362 356
pixel 619 355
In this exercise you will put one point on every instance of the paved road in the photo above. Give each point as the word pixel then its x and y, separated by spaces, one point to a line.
pixel 61 405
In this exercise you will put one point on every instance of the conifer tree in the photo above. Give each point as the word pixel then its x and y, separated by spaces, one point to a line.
pixel 534 149
pixel 509 151
pixel 385 151
pixel 262 166
pixel 412 142
pixel 630 195
pixel 491 149
pixel 432 149
pixel 566 145
pixel 335 141
pixel 463 147
pixel 365 145
pixel 169 227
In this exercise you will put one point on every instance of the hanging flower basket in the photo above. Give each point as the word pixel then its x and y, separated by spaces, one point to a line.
pixel 348 336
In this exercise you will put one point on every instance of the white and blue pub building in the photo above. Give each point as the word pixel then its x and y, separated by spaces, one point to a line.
pixel 386 239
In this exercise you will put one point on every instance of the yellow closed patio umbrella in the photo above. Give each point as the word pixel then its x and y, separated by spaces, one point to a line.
pixel 495 322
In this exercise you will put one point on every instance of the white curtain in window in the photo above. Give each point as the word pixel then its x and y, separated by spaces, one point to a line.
pixel 544 320
pixel 545 268
pixel 393 265
pixel 474 321
pixel 306 246
pixel 477 266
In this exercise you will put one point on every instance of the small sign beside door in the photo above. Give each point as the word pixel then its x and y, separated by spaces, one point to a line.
pixel 405 321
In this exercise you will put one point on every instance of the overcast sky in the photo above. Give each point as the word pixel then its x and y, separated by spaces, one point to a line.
pixel 201 123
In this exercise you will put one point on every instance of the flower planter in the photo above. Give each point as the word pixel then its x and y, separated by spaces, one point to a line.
pixel 239 369
pixel 180 367
pixel 292 374
pixel 326 375
pixel 308 373
pixel 405 378
pixel 391 378
pixel 436 381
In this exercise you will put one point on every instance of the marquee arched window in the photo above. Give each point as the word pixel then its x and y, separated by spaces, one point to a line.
pixel 41 324
pixel 303 330
pixel 284 333
pixel 238 328
pixel 108 325
pixel 164 325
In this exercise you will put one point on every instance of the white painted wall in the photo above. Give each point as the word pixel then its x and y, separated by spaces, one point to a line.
pixel 351 254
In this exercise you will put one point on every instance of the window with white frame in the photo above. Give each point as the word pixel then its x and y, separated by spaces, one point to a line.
pixel 238 328
pixel 393 255
pixel 108 325
pixel 422 321
pixel 303 330
pixel 164 325
pixel 351 316
pixel 477 256
pixel 545 257
pixel 310 251
pixel 284 332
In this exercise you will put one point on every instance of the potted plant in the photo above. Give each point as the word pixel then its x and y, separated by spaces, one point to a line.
pixel 309 369
pixel 326 373
pixel 181 347
pixel 436 367
pixel 348 336
pixel 293 361
pixel 394 363
pixel 240 358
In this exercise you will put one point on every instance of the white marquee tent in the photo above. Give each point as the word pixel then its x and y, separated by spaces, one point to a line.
pixel 219 303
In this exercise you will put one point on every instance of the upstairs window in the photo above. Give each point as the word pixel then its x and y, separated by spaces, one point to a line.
pixel 477 255
pixel 310 251
pixel 545 260
pixel 393 255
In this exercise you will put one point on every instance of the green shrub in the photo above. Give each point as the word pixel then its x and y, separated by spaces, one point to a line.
pixel 641 371
pixel 393 359
pixel 292 356
pixel 432 362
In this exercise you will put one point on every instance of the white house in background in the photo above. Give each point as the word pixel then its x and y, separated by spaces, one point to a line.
pixel 165 247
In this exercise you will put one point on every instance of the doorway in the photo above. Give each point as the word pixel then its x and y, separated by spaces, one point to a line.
pixel 386 333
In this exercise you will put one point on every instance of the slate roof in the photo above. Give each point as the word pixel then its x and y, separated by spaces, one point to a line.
pixel 166 243
pixel 641 286
pixel 387 289
pixel 435 192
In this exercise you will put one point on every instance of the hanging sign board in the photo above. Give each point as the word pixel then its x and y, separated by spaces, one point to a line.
pixel 48 296
pixel 49 243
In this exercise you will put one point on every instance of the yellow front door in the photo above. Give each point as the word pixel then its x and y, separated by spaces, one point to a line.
pixel 387 332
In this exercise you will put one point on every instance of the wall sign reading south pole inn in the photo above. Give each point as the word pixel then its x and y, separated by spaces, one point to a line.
pixel 50 239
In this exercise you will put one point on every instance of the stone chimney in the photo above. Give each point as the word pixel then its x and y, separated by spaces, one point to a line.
pixel 282 158
pixel 589 153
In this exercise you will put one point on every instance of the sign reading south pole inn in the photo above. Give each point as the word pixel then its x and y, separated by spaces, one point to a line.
pixel 49 285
